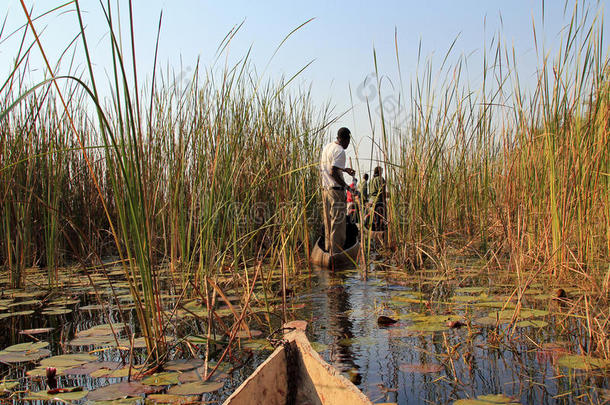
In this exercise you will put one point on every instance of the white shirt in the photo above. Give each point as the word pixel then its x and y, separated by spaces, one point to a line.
pixel 333 154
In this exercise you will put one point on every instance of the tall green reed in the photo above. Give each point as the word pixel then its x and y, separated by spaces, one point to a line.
pixel 205 177
pixel 500 169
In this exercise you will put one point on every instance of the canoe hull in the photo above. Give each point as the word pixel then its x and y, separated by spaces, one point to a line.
pixel 317 382
pixel 321 258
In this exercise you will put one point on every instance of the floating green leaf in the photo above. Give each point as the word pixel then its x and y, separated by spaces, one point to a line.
pixel 493 399
pixel 488 321
pixel 183 364
pixel 65 397
pixel 427 327
pixel 121 390
pixel 582 362
pixel 24 347
pixel 471 290
pixel 104 329
pixel 532 323
pixel 257 344
pixel 22 357
pixel 319 347
pixel 18 313
pixel 495 304
pixel 165 378
pixel 68 360
pixel 171 399
pixel 42 371
pixel 8 385
pixel 24 303
pixel 195 388
pixel 56 311
pixel 92 341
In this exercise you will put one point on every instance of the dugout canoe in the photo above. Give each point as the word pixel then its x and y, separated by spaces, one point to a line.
pixel 295 373
pixel 322 258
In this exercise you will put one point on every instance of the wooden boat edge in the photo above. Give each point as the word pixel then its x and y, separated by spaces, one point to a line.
pixel 305 350
pixel 306 354
pixel 324 259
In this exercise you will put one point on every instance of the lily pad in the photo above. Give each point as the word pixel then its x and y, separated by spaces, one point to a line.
pixel 496 398
pixel 64 301
pixel 165 378
pixel 407 300
pixel 196 340
pixel 582 362
pixel 36 331
pixel 92 307
pixel 99 330
pixel 116 373
pixel 25 347
pixel 532 323
pixel 18 313
pixel 195 388
pixel 488 321
pixel 493 399
pixel 427 327
pixel 257 344
pixel 537 312
pixel 242 334
pixel 28 294
pixel 183 364
pixel 471 290
pixel 56 311
pixel 24 303
pixel 120 390
pixel 197 374
pixel 319 347
pixel 68 360
pixel 465 298
pixel 416 317
pixel 507 314
pixel 23 357
pixel 65 397
pixel 361 341
pixel 42 372
pixel 102 340
pixel 171 399
pixel 495 304
pixel 8 385
pixel 123 401
pixel 138 343
pixel 88 368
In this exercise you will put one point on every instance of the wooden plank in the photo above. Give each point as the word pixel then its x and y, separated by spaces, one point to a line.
pixel 266 386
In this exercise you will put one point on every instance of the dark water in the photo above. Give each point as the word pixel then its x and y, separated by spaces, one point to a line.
pixel 418 360
pixel 387 362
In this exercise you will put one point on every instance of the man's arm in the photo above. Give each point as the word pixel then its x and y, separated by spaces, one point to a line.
pixel 336 174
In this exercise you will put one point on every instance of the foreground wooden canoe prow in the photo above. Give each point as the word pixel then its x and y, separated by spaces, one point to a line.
pixel 317 382
pixel 321 258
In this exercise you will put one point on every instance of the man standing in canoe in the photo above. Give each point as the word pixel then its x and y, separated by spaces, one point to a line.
pixel 334 200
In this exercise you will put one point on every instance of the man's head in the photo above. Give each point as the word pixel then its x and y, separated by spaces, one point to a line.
pixel 343 137
pixel 378 171
pixel 366 177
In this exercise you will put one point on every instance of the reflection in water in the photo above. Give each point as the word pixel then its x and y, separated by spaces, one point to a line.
pixel 396 364
pixel 340 326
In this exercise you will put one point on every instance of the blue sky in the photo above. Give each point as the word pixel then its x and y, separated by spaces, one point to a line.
pixel 340 40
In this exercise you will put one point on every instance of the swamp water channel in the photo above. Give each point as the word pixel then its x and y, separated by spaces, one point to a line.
pixel 462 336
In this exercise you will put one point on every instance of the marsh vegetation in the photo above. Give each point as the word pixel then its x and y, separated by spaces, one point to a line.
pixel 152 239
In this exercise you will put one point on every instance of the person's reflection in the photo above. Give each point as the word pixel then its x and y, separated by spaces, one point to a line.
pixel 339 324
